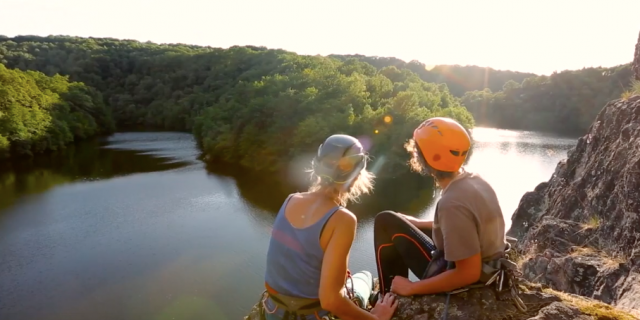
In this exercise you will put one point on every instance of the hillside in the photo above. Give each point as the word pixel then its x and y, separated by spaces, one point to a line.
pixel 564 102
pixel 459 79
pixel 240 102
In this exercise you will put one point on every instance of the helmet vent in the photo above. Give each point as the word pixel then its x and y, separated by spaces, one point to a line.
pixel 457 153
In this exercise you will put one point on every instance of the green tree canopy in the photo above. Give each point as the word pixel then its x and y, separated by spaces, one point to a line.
pixel 40 113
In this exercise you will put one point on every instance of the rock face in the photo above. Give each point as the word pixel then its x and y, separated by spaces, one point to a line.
pixel 580 231
pixel 483 304
pixel 636 60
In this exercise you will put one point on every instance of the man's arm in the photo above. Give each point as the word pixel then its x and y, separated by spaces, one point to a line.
pixel 334 270
pixel 419 223
pixel 467 271
pixel 462 245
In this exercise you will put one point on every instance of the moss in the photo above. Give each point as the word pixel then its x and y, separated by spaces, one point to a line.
pixel 596 309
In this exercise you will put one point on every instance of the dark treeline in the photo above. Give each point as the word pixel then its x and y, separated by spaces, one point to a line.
pixel 261 107
pixel 564 103
pixel 459 79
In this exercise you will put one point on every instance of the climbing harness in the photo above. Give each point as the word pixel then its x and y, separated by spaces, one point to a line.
pixel 351 294
pixel 500 271
pixel 298 308
pixel 294 308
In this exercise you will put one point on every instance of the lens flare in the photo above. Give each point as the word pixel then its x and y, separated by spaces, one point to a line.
pixel 366 142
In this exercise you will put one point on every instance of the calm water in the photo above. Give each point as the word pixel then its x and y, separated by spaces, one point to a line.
pixel 135 227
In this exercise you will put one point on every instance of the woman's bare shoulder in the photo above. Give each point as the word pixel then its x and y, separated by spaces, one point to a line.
pixel 344 215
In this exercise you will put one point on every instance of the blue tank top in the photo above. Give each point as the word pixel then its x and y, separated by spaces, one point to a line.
pixel 294 257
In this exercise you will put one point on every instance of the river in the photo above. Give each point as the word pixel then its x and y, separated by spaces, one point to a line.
pixel 136 227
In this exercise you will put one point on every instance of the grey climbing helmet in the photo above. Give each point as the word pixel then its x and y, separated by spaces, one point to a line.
pixel 340 159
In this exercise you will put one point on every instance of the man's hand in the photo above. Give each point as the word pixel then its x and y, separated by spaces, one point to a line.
pixel 402 286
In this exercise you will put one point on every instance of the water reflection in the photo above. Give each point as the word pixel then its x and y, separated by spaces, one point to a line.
pixel 409 193
pixel 266 192
pixel 86 161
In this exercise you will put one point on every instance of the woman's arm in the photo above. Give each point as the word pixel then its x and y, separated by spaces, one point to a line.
pixel 334 270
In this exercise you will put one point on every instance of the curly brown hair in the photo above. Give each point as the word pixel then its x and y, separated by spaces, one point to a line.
pixel 418 164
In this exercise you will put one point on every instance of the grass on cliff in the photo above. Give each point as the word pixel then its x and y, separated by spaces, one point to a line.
pixel 633 90
pixel 598 310
pixel 608 260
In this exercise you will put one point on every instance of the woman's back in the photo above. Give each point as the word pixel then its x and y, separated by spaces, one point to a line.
pixel 302 281
pixel 296 248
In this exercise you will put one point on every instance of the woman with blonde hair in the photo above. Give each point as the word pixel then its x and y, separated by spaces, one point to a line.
pixel 307 275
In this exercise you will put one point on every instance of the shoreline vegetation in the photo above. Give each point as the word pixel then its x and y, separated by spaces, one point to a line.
pixel 260 107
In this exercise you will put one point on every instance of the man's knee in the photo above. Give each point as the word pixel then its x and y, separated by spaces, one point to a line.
pixel 390 220
pixel 385 216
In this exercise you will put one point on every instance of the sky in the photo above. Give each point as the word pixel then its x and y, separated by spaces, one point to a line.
pixel 538 36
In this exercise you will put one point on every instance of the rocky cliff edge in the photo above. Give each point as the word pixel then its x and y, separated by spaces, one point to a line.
pixel 580 231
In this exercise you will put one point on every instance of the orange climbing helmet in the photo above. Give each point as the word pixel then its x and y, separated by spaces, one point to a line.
pixel 443 143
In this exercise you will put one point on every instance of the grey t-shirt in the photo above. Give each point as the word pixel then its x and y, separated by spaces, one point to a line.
pixel 468 219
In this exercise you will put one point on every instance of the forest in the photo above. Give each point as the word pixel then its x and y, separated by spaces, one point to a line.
pixel 563 103
pixel 261 107
pixel 40 113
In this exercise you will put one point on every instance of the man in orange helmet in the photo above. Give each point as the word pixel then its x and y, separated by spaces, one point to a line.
pixel 468 227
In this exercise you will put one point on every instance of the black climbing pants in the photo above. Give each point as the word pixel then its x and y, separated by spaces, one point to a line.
pixel 399 246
